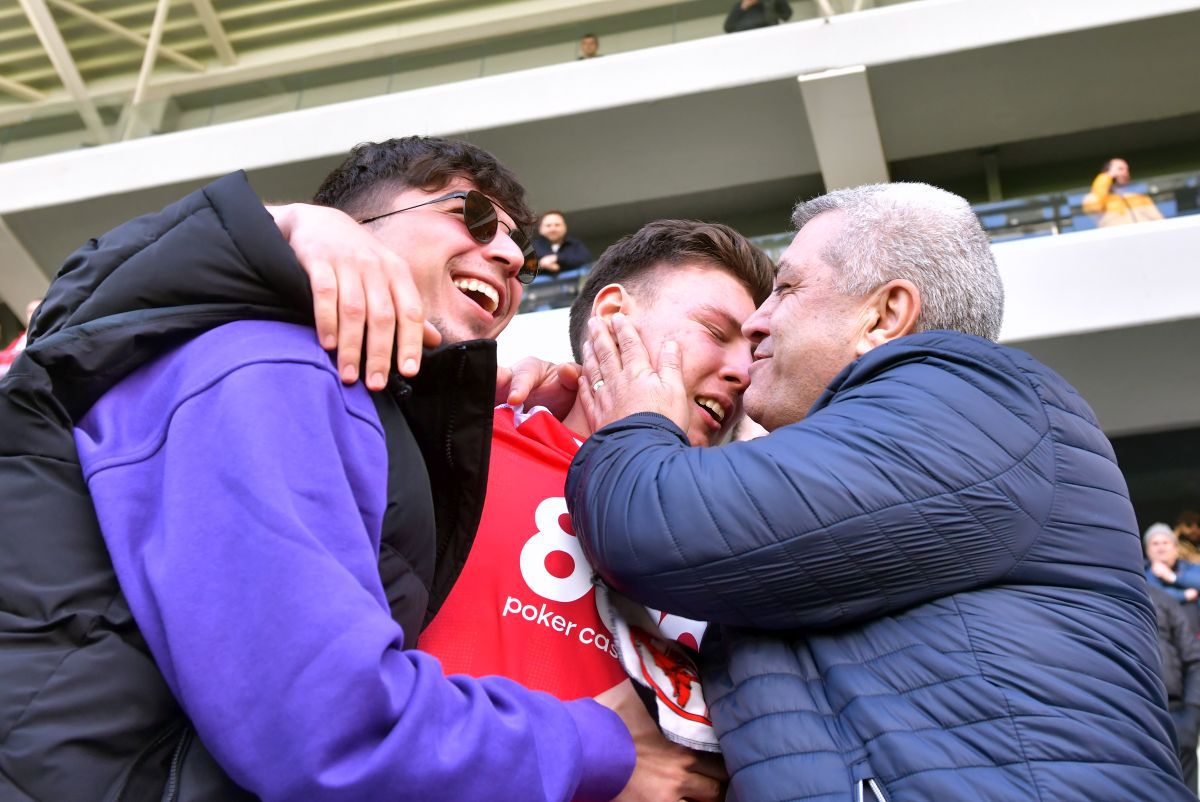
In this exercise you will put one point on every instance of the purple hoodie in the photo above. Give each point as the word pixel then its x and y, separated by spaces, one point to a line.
pixel 241 488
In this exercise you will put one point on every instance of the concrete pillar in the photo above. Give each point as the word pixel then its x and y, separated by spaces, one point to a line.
pixel 845 132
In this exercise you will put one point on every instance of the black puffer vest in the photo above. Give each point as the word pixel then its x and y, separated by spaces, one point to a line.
pixel 84 711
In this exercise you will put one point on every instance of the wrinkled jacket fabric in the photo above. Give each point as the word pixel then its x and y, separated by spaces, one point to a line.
pixel 932 581
pixel 84 710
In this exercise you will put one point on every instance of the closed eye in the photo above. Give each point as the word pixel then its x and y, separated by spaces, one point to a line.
pixel 718 334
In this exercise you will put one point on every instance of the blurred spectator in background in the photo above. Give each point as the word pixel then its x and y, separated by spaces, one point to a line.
pixel 14 349
pixel 1113 205
pixel 1180 579
pixel 555 250
pixel 1181 675
pixel 589 46
pixel 1187 529
pixel 746 15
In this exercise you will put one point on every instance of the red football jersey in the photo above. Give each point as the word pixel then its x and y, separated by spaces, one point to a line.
pixel 524 606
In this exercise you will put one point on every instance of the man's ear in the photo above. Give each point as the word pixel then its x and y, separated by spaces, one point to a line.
pixel 891 311
pixel 611 298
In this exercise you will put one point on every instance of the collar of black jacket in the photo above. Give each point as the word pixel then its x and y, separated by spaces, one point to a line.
pixel 449 408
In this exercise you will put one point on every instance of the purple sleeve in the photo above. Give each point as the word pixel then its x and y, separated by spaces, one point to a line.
pixel 243 525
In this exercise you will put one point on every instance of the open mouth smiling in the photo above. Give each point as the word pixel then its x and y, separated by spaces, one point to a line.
pixel 482 293
pixel 712 406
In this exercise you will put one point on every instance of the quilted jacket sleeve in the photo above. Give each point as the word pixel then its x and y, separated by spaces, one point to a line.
pixel 918 474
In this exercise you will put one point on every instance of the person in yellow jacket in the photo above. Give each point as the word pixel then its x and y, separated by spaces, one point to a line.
pixel 1116 207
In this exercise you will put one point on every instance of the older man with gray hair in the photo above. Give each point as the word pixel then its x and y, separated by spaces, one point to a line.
pixel 926 578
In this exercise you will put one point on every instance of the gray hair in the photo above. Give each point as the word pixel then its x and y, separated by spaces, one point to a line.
pixel 920 233
pixel 1156 530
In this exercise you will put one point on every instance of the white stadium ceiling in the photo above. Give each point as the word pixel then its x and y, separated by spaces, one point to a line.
pixel 84 55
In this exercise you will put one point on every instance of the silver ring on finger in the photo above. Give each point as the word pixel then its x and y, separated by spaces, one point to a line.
pixel 596 385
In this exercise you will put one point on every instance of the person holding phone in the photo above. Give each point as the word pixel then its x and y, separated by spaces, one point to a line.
pixel 1115 205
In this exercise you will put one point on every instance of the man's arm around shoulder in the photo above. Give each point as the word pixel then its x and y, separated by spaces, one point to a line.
pixel 827 521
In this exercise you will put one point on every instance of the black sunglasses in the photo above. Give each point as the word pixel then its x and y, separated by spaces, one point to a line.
pixel 482 222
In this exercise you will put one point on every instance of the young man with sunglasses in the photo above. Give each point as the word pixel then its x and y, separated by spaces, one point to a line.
pixel 209 578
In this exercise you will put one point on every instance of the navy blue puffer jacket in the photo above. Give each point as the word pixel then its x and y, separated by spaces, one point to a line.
pixel 932 582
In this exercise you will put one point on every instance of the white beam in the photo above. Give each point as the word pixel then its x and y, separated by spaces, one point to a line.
pixel 147 118
pixel 216 31
pixel 21 280
pixel 472 25
pixel 20 90
pixel 1116 311
pixel 43 25
pixel 125 33
pixel 155 39
pixel 190 34
pixel 845 132
pixel 1107 278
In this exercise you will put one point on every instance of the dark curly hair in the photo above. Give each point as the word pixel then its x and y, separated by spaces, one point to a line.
pixel 375 172
pixel 635 260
